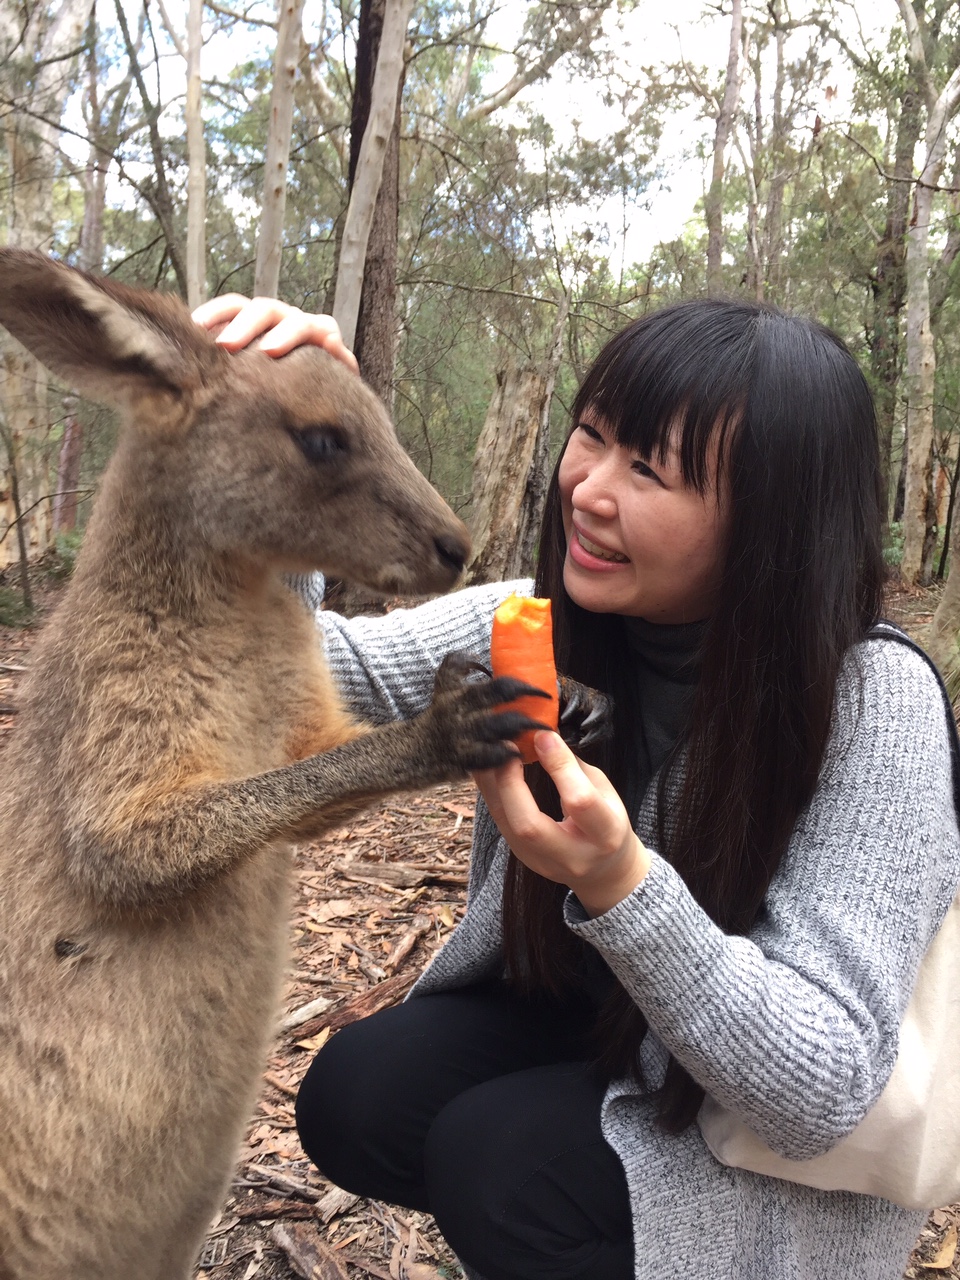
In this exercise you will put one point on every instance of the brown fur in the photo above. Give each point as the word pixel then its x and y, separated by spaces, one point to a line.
pixel 167 753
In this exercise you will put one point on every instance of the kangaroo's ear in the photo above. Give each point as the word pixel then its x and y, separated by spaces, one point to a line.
pixel 108 340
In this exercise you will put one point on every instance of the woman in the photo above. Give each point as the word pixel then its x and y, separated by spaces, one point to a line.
pixel 731 899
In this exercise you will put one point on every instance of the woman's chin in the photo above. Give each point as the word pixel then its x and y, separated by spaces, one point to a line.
pixel 589 592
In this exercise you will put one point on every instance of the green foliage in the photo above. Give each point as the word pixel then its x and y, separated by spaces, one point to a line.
pixel 893 545
pixel 13 611
pixel 60 565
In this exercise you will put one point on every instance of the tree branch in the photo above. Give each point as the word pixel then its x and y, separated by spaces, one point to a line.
pixel 893 177
pixel 526 76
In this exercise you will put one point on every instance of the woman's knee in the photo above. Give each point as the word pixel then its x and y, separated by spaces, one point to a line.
pixel 522 1183
pixel 368 1100
pixel 336 1107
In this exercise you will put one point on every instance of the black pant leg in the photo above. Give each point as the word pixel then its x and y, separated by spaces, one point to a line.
pixel 371 1094
pixel 522 1183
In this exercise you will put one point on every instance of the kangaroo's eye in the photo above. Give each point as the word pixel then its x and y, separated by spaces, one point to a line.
pixel 321 443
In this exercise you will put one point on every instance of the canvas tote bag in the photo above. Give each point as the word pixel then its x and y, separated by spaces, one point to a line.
pixel 907 1147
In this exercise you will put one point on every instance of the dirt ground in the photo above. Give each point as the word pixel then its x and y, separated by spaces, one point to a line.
pixel 374 901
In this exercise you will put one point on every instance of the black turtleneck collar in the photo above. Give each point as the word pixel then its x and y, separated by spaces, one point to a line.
pixel 667 670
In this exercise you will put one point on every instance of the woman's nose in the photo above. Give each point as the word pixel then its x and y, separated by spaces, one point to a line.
pixel 595 492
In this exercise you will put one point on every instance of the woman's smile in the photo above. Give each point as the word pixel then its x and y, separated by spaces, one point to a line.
pixel 586 551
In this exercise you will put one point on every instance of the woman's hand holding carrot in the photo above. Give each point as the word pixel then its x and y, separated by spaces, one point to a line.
pixel 594 850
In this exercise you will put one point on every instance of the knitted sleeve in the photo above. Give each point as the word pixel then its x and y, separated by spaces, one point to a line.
pixel 384 666
pixel 794 1028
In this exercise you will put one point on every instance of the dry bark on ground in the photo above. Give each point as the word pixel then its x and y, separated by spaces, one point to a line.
pixel 373 902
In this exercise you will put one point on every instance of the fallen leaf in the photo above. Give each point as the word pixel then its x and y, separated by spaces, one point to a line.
pixel 462 811
pixel 334 909
pixel 316 1042
pixel 946 1253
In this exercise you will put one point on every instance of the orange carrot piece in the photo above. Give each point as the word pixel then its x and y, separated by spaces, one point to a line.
pixel 521 646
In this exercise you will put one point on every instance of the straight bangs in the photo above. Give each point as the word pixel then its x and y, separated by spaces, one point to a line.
pixel 677 379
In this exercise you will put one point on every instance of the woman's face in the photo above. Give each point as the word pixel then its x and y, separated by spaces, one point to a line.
pixel 640 541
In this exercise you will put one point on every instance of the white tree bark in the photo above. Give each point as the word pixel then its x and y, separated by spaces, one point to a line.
pixel 196 163
pixel 713 204
pixel 38 58
pixel 328 107
pixel 921 356
pixel 270 239
pixel 366 183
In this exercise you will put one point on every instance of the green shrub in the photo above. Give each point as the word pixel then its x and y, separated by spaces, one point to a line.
pixel 62 562
pixel 13 611
pixel 893 545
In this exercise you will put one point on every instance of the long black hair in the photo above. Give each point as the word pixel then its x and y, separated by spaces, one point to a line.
pixel 802 581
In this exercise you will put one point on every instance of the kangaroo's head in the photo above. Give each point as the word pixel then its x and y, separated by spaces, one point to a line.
pixel 290 462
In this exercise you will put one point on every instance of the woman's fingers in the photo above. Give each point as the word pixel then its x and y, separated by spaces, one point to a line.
pixel 219 310
pixel 279 327
pixel 587 798
pixel 509 799
pixel 593 850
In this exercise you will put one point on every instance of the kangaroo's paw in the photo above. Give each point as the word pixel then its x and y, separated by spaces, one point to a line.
pixel 466 726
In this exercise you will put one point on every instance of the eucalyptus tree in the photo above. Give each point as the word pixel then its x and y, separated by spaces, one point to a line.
pixel 277 151
pixel 40 47
pixel 941 97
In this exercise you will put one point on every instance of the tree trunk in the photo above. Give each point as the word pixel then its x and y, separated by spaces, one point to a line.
pixel 538 479
pixel 68 470
pixel 889 287
pixel 38 52
pixel 504 474
pixel 196 163
pixel 776 165
pixel 266 281
pixel 943 640
pixel 370 163
pixel 921 354
pixel 713 203
pixel 94 175
pixel 920 379
pixel 375 342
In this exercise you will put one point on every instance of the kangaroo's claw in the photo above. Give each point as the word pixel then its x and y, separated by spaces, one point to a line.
pixel 586 715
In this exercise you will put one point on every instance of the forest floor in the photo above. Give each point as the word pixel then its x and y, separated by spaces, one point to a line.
pixel 373 901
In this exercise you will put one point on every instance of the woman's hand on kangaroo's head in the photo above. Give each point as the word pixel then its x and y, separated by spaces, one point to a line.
pixel 278 326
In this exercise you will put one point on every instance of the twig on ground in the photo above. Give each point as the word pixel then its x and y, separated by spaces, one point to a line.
pixel 298 1017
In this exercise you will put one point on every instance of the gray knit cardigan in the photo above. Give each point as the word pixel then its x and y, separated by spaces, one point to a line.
pixel 794 1027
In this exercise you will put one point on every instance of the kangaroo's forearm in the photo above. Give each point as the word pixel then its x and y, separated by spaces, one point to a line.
pixel 196 834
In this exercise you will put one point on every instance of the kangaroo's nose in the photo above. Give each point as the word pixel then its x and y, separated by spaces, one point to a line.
pixel 452 551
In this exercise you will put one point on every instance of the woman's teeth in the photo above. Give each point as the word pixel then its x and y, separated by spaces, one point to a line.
pixel 599 552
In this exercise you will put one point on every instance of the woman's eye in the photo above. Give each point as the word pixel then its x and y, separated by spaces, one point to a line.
pixel 590 432
pixel 642 469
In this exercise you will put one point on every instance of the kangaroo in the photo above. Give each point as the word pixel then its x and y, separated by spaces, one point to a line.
pixel 177 733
